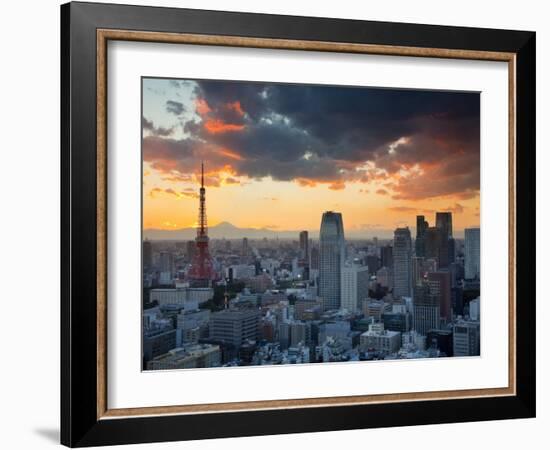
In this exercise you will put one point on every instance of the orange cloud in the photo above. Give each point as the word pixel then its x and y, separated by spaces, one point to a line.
pixel 169 224
pixel 176 177
pixel 212 180
pixel 381 192
pixel 216 126
pixel 337 186
pixel 306 182
pixel 407 209
pixel 154 191
pixel 236 106
pixel 467 195
pixel 230 180
pixel 185 193
pixel 456 209
pixel 201 106
pixel 230 154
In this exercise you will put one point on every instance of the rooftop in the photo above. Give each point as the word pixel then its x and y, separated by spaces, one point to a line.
pixel 387 333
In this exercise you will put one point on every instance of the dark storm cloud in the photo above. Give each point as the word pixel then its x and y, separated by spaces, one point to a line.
pixel 174 107
pixel 353 122
pixel 325 134
pixel 218 94
pixel 157 131
pixel 168 155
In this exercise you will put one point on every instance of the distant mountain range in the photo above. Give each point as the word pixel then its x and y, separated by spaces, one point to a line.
pixel 222 230
pixel 226 230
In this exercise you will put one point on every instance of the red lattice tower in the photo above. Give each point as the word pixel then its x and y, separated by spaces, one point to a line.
pixel 202 268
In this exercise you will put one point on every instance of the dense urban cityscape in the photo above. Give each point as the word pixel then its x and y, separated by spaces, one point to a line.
pixel 269 301
pixel 344 223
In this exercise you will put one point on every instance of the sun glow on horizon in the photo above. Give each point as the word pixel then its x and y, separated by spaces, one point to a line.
pixel 292 205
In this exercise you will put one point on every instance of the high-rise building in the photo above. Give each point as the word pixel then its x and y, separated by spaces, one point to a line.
pixel 384 277
pixel 386 256
pixel 397 321
pixel 437 246
pixel 402 270
pixel 304 261
pixel 304 246
pixel 471 253
pixel 156 341
pixel 441 340
pixel 466 338
pixel 444 221
pixel 474 310
pixel 426 311
pixel 245 250
pixel 418 270
pixel 421 227
pixel 373 263
pixel 234 326
pixel 284 335
pixel 166 262
pixel 440 287
pixel 430 265
pixel 457 273
pixel 300 333
pixel 147 255
pixel 314 258
pixel 451 244
pixel 331 259
pixel 355 286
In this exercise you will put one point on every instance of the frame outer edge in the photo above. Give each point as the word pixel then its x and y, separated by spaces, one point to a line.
pixel 78 429
pixel 526 224
pixel 65 334
pixel 79 238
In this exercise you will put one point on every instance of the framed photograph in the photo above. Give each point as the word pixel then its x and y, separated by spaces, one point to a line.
pixel 276 224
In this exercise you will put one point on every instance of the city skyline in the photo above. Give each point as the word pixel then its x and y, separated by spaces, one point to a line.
pixel 378 156
pixel 212 304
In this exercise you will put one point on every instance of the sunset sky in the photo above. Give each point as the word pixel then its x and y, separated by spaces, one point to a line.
pixel 278 155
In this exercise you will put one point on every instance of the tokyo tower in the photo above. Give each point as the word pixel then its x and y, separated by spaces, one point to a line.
pixel 202 270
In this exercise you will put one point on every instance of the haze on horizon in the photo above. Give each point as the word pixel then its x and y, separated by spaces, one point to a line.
pixel 278 155
pixel 228 231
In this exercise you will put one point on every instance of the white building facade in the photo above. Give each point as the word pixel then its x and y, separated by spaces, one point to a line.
pixel 354 287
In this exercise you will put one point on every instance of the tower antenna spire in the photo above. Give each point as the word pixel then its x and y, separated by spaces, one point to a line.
pixel 202 269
